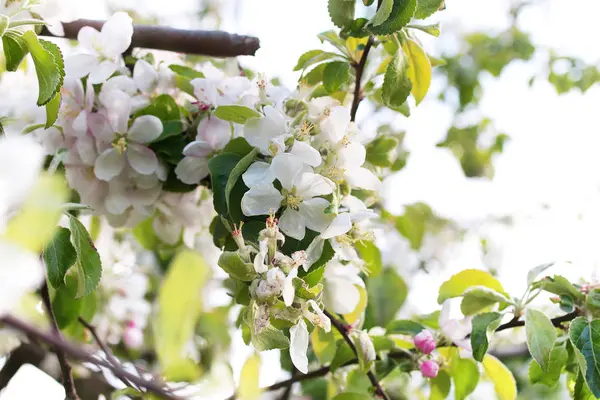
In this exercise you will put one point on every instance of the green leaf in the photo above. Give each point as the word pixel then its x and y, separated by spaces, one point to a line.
pixel 89 266
pixel 585 336
pixel 581 391
pixel 419 69
pixel 238 146
pixel 179 307
pixel 170 129
pixel 52 110
pixel 559 285
pixel 381 151
pixel 187 72
pixel 341 12
pixel 371 256
pixel 483 324
pixel 534 272
pixel 232 263
pixel 352 396
pixel 314 76
pixel 433 30
pixel 426 8
pixel 465 374
pixel 383 13
pixel 312 57
pixel 592 301
pixel 269 339
pixel 49 66
pixel 396 82
pixel 237 172
pixel 59 255
pixel 541 336
pixel 503 379
pixel 459 283
pixel 336 73
pixel 404 326
pixel 558 360
pixel 387 292
pixel 220 168
pixel 324 345
pixel 235 113
pixel 478 298
pixel 15 50
pixel 440 386
pixel 249 376
pixel 334 39
pixel 65 305
pixel 401 14
pixel 163 107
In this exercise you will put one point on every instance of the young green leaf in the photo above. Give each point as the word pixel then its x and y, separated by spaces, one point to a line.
pixel 541 336
pixel 236 113
pixel 396 82
pixel 383 13
pixel 59 255
pixel 400 15
pixel 425 8
pixel 483 324
pixel 433 30
pixel 49 66
pixel 237 172
pixel 405 327
pixel 335 74
pixel 503 379
pixel 220 168
pixel 65 305
pixel 89 266
pixel 15 49
pixel 585 336
pixel 558 360
pixel 459 283
pixel 186 72
pixel 465 374
pixel 534 272
pixel 371 256
pixel 440 386
pixel 312 57
pixel 380 152
pixel 324 345
pixel 419 69
pixel 387 292
pixel 232 263
pixel 478 298
pixel 341 12
pixel 179 306
pixel 248 388
pixel 52 110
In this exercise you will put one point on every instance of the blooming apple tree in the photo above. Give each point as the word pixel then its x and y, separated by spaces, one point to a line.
pixel 173 166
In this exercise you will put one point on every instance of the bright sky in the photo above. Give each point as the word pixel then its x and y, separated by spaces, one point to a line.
pixel 551 158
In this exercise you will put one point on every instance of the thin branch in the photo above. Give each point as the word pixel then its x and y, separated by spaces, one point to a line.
pixel 288 390
pixel 105 349
pixel 208 43
pixel 77 353
pixel 557 322
pixel 65 367
pixel 343 329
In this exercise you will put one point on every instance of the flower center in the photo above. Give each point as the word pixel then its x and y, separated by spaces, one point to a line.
pixel 336 174
pixel 291 200
pixel 305 129
pixel 120 144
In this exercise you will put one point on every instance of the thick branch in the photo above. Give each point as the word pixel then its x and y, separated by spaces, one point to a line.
pixel 65 367
pixel 79 354
pixel 360 67
pixel 344 331
pixel 208 43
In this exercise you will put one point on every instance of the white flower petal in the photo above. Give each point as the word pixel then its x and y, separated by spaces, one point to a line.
pixel 340 296
pixel 145 129
pixel 86 147
pixel 306 153
pixel 309 185
pixel 167 230
pixel 323 320
pixel 314 251
pixel 191 170
pixel 89 38
pixel 116 34
pixel 313 213
pixel 352 155
pixel 340 225
pixel 205 90
pixel 197 149
pixel 101 72
pixel 118 109
pixel 286 168
pixel 289 292
pixel 122 83
pixel 299 346
pixel 292 224
pixel 145 76
pixel 214 131
pixel 21 273
pixel 258 172
pixel 141 158
pixel 80 65
pixel 116 202
pixel 101 128
pixel 109 164
pixel 335 126
pixel 362 178
pixel 260 131
pixel 261 199
pixel 79 124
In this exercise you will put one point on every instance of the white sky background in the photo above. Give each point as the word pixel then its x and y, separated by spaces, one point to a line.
pixel 552 157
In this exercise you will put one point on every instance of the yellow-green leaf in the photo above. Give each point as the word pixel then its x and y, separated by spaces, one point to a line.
pixel 34 225
pixel 419 69
pixel 360 308
pixel 541 336
pixel 459 283
pixel 324 345
pixel 503 379
pixel 179 306
pixel 249 389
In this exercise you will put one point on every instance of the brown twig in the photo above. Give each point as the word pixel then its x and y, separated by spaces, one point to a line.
pixel 77 353
pixel 208 43
pixel 65 367
pixel 556 322
pixel 343 329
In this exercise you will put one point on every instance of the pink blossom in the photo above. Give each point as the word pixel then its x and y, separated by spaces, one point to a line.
pixel 429 369
pixel 425 342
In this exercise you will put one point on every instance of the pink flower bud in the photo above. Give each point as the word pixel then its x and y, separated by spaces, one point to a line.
pixel 429 369
pixel 424 341
pixel 133 337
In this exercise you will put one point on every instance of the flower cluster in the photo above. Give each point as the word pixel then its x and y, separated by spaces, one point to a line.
pixel 425 343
